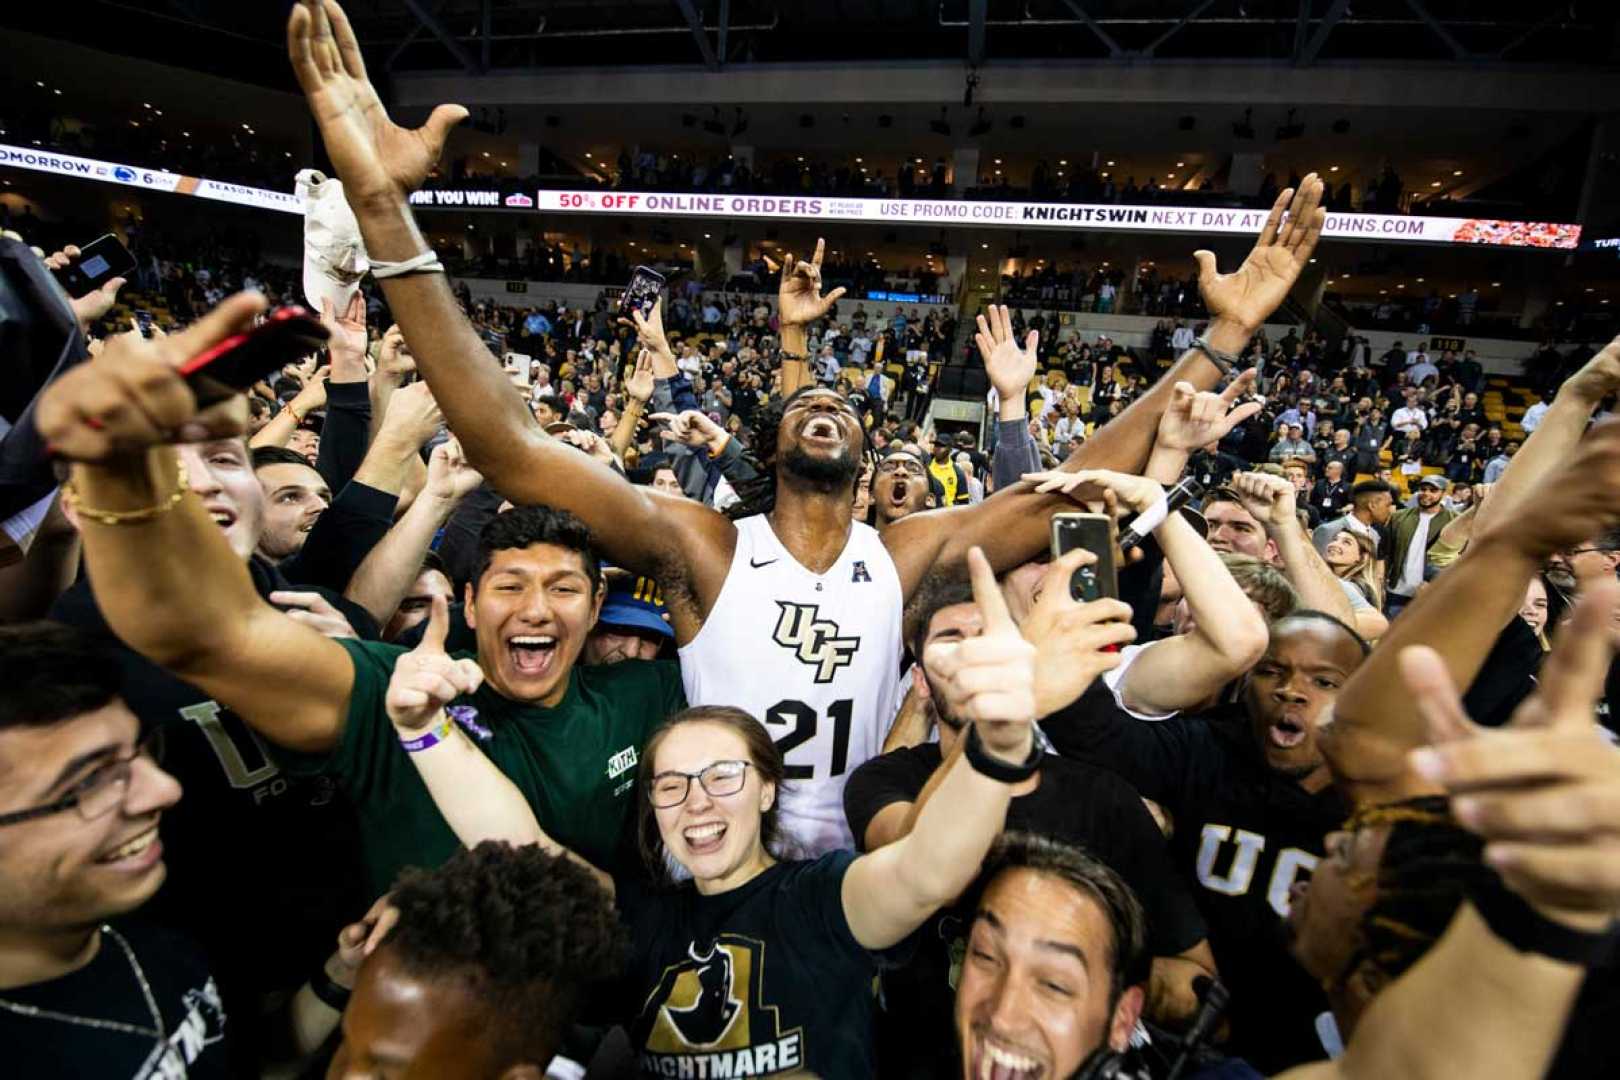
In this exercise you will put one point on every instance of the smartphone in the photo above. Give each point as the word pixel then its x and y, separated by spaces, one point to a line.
pixel 646 286
pixel 143 319
pixel 286 336
pixel 1095 533
pixel 98 262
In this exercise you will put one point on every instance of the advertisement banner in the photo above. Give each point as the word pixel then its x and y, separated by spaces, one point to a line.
pixel 109 172
pixel 1075 216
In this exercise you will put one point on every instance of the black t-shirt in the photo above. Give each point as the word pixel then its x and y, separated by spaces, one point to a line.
pixel 763 978
pixel 107 988
pixel 263 866
pixel 1244 833
pixel 1075 802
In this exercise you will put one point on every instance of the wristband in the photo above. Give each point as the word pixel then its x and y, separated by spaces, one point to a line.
pixel 329 992
pixel 985 765
pixel 430 738
pixel 1225 361
pixel 425 263
pixel 1512 919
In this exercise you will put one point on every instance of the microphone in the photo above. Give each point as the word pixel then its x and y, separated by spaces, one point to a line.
pixel 1154 516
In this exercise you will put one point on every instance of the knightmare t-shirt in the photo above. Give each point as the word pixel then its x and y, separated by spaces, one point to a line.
pixel 575 763
pixel 192 1043
pixel 1243 835
pixel 765 978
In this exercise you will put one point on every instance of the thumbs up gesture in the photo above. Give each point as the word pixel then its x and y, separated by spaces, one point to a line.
pixel 990 679
pixel 426 679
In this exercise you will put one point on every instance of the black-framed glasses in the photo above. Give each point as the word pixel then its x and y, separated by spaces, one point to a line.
pixel 670 789
pixel 98 794
pixel 895 464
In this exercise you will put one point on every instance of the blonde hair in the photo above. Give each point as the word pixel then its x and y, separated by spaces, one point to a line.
pixel 1363 572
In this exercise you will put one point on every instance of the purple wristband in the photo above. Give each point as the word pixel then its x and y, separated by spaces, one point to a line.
pixel 430 738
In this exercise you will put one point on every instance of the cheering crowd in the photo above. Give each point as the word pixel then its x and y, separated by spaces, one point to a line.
pixel 516 693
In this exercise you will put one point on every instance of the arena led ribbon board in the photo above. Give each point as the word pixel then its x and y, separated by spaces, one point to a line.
pixel 967 213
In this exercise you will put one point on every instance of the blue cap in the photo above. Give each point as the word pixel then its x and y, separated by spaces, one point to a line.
pixel 635 603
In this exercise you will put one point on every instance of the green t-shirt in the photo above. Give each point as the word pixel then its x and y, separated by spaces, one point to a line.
pixel 575 763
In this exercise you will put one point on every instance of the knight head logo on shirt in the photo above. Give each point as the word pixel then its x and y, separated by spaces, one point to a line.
pixel 814 640
pixel 707 1016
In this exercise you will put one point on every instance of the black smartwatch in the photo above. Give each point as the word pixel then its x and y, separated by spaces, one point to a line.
pixel 1512 919
pixel 329 992
pixel 985 765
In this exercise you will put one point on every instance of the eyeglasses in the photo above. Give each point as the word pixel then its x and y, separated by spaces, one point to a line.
pixel 99 793
pixel 670 789
pixel 893 465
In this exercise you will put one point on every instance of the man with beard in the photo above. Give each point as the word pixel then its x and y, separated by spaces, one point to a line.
pixel 1415 529
pixel 829 590
pixel 1250 797
pixel 900 488
pixel 1067 800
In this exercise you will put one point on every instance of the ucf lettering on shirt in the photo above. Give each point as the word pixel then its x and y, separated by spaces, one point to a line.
pixel 816 657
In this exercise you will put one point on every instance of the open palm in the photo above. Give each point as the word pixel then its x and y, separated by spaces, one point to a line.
pixel 1257 288
pixel 374 157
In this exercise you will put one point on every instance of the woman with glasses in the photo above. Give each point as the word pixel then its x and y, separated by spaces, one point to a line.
pixel 760 962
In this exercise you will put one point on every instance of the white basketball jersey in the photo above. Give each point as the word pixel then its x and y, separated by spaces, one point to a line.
pixel 816 657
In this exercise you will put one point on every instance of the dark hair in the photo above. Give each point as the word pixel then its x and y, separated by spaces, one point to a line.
pixel 1429 865
pixel 1130 963
pixel 1372 487
pixel 432 560
pixel 1321 616
pixel 524 525
pixel 939 590
pixel 763 755
pixel 53 673
pixel 525 932
pixel 757 495
pixel 552 402
pixel 277 455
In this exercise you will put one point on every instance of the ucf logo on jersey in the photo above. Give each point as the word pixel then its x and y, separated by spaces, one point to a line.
pixel 814 640
pixel 707 1016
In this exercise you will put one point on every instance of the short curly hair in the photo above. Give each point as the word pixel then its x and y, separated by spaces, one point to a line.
pixel 524 525
pixel 527 932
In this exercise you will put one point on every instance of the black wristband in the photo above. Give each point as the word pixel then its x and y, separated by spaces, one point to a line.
pixel 1513 920
pixel 330 993
pixel 1226 362
pixel 985 765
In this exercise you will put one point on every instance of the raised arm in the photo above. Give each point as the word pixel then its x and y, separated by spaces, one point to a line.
pixel 1459 614
pixel 798 304
pixel 281 426
pixel 1012 530
pixel 1270 500
pixel 1228 636
pixel 1193 419
pixel 165 576
pixel 638 388
pixel 990 683
pixel 386 575
pixel 380 164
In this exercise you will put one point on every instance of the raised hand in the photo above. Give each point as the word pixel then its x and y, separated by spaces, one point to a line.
pixel 426 679
pixel 360 939
pixel 799 300
pixel 413 415
pixel 449 476
pixel 1544 792
pixel 1249 294
pixel 1135 492
pixel 1070 636
pixel 346 340
pixel 990 679
pixel 650 332
pixel 131 397
pixel 314 610
pixel 377 160
pixel 1598 378
pixel 1009 367
pixel 1194 419
pixel 1268 499
pixel 640 383
pixel 394 358
pixel 93 304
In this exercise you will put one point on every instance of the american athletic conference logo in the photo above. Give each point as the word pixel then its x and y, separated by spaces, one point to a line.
pixel 814 640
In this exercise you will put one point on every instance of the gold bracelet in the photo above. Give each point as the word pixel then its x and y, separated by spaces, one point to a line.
pixel 70 500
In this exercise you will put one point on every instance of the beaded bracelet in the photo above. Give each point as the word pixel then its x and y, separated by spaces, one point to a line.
pixel 71 501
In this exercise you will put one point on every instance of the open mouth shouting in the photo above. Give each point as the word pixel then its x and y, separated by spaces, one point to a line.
pixel 532 655
pixel 993 1061
pixel 704 839
pixel 223 516
pixel 1288 730
pixel 822 429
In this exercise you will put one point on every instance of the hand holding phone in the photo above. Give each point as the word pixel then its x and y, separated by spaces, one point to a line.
pixel 92 266
pixel 233 365
pixel 1094 533
pixel 645 287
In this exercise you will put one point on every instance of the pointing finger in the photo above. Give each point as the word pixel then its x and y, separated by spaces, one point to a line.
pixel 1240 386
pixel 438 627
pixel 987 594
pixel 821 249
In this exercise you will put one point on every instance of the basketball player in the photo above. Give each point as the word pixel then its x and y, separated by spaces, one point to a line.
pixel 793 612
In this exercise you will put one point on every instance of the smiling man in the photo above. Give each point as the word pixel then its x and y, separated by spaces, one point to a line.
pixel 1250 795
pixel 80 800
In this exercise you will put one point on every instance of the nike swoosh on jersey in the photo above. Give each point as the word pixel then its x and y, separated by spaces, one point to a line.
pixel 757 565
